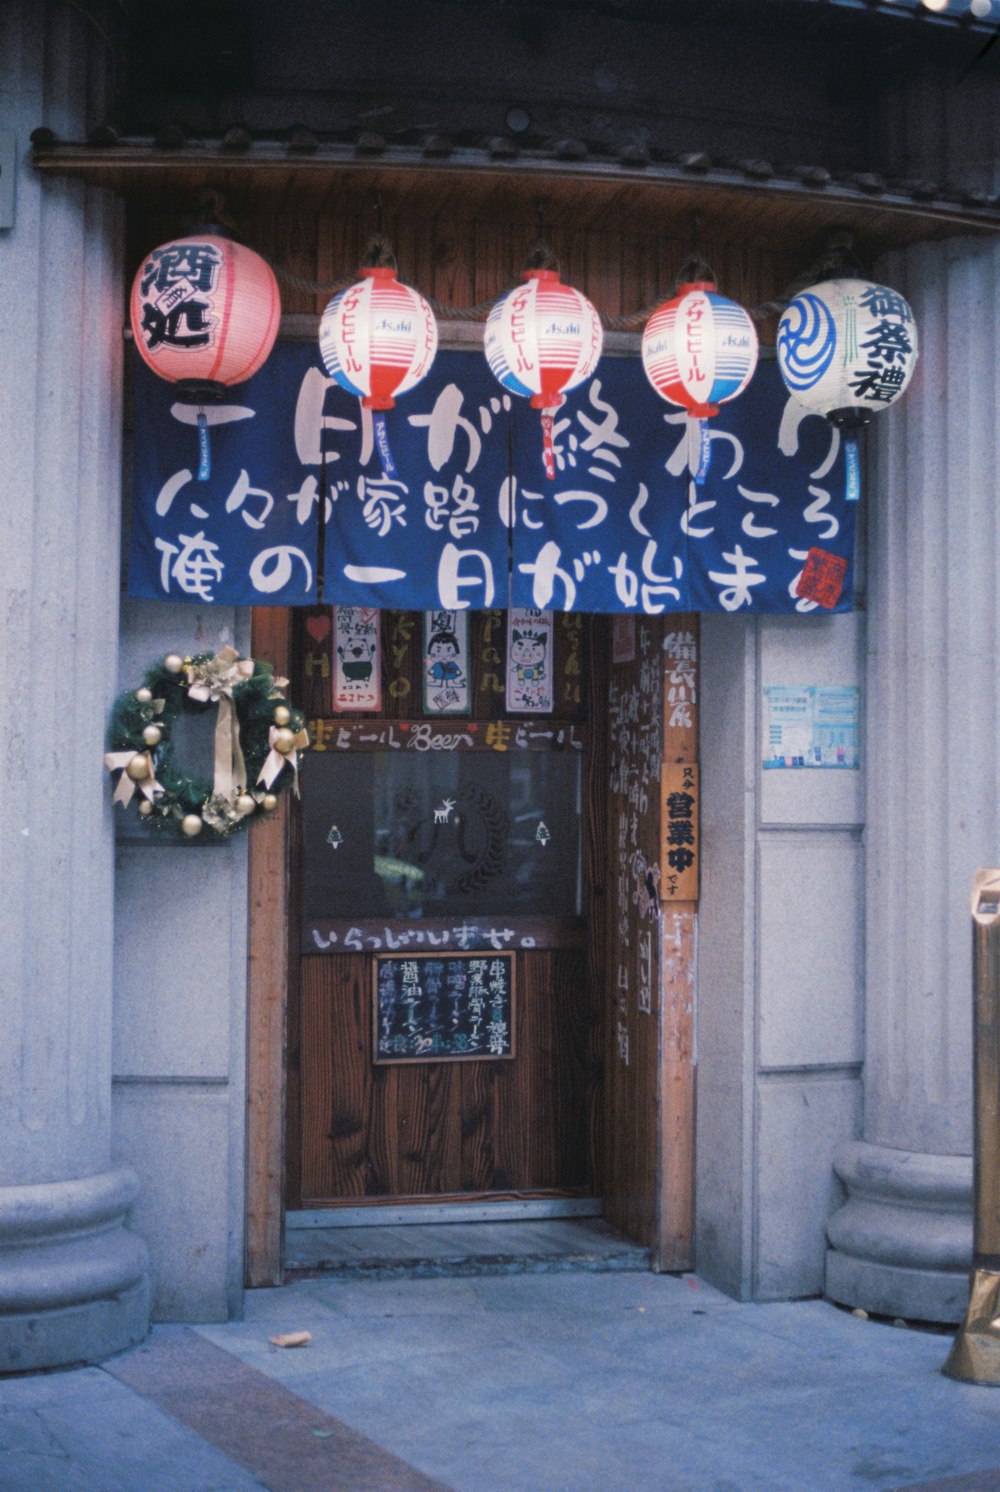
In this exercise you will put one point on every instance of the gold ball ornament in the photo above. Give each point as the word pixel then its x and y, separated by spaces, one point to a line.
pixel 191 823
pixel 173 663
pixel 284 740
pixel 146 808
pixel 282 714
pixel 152 735
pixel 139 767
pixel 245 804
pixel 144 696
pixel 269 802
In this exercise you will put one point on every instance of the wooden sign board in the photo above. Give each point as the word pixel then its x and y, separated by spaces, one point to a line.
pixel 429 1007
pixel 679 850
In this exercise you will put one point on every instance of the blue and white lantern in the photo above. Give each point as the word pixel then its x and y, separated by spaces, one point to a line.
pixel 847 349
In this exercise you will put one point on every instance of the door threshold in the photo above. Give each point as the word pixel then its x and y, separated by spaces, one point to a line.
pixel 378 1215
pixel 435 1250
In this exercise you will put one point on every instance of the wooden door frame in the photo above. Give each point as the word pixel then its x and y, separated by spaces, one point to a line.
pixel 268 972
pixel 267 1000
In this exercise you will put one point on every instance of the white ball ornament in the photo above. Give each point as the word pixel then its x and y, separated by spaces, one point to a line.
pixel 191 823
pixel 269 802
pixel 152 735
pixel 145 808
pixel 245 804
pixel 282 714
pixel 284 741
pixel 144 695
pixel 139 767
pixel 173 663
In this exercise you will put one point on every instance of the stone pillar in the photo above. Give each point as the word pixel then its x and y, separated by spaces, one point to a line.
pixel 73 1281
pixel 901 1245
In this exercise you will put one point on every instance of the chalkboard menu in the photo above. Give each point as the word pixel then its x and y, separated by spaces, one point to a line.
pixel 432 1009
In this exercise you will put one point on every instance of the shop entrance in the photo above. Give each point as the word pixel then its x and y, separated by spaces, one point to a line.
pixel 445 1042
pixel 490 939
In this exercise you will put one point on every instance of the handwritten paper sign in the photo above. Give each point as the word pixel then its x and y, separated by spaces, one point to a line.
pixel 432 1009
pixel 357 659
pixel 529 661
pixel 446 662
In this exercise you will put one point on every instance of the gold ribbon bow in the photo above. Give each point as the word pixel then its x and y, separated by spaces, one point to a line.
pixel 149 787
pixel 215 679
pixel 277 759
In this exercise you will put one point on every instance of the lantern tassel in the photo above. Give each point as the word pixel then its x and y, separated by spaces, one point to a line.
pixel 204 448
pixel 852 476
pixel 703 451
pixel 382 442
pixel 548 446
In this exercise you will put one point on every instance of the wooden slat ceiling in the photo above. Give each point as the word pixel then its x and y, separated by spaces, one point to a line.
pixel 752 205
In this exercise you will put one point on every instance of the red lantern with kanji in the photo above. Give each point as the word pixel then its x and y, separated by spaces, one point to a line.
pixel 542 339
pixel 205 313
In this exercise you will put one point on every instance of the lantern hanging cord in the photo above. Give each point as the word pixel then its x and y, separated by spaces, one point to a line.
pixel 837 259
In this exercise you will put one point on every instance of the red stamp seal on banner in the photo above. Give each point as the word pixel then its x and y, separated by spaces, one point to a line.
pixel 822 578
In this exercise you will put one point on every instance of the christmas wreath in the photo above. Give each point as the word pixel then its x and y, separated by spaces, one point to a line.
pixel 258 737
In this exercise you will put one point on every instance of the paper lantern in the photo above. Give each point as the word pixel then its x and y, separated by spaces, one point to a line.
pixel 846 349
pixel 377 339
pixel 699 350
pixel 542 339
pixel 205 313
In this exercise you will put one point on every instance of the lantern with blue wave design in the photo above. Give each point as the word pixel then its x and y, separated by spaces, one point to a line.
pixel 699 350
pixel 847 348
pixel 377 340
pixel 542 339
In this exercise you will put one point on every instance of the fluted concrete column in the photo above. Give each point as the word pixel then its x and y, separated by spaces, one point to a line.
pixel 73 1281
pixel 902 1243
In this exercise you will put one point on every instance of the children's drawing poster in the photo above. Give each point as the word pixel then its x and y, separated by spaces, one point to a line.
pixel 357 659
pixel 446 662
pixel 529 661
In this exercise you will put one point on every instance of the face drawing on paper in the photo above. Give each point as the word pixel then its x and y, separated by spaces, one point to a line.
pixel 357 658
pixel 442 655
pixel 528 657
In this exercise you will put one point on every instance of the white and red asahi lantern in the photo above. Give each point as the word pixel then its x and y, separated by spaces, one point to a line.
pixel 699 350
pixel 377 339
pixel 542 339
pixel 205 313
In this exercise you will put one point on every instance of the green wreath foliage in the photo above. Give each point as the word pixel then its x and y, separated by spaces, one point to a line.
pixel 159 701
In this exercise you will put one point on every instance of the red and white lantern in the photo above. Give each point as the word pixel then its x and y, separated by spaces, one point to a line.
pixel 542 339
pixel 377 339
pixel 699 350
pixel 205 313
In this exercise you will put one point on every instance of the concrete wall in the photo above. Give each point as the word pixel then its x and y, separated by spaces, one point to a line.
pixel 780 979
pixel 179 1038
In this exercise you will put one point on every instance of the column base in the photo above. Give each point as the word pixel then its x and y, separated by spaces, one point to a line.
pixel 901 1245
pixel 74 1285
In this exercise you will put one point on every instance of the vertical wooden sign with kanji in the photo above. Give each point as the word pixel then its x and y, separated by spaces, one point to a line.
pixel 679 865
pixel 678 890
pixel 679 831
